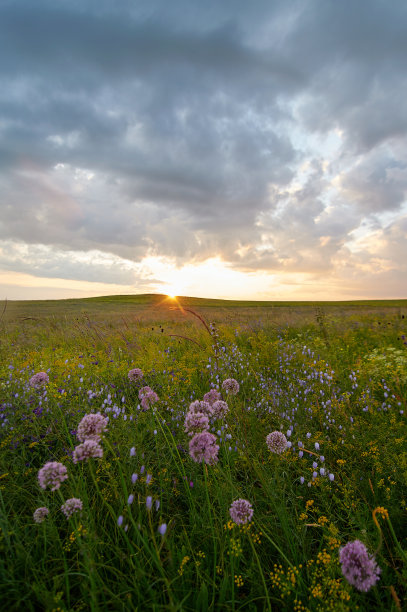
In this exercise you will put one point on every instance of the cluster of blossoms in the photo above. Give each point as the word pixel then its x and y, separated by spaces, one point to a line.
pixel 230 385
pixel 220 409
pixel 241 511
pixel 277 442
pixel 359 568
pixel 39 380
pixel 71 506
pixel 86 450
pixel 52 475
pixel 197 417
pixel 212 396
pixel 203 447
pixel 91 427
pixel 147 397
pixel 40 514
pixel 135 375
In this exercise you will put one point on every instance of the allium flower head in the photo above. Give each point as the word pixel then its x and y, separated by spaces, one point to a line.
pixel 40 514
pixel 196 422
pixel 135 374
pixel 201 406
pixel 86 450
pixel 241 511
pixel 71 506
pixel 52 475
pixel 277 442
pixel 220 409
pixel 203 447
pixel 148 397
pixel 359 568
pixel 39 380
pixel 212 396
pixel 231 386
pixel 91 427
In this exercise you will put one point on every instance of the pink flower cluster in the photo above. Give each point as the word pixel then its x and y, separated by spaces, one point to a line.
pixel 212 396
pixel 203 447
pixel 196 422
pixel 231 386
pixel 39 380
pixel 40 514
pixel 71 506
pixel 359 568
pixel 201 406
pixel 148 397
pixel 135 375
pixel 91 427
pixel 86 450
pixel 220 409
pixel 277 442
pixel 52 475
pixel 241 511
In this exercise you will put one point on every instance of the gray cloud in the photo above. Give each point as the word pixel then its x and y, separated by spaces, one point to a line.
pixel 173 129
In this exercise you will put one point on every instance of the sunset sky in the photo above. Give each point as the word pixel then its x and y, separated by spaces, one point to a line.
pixel 230 149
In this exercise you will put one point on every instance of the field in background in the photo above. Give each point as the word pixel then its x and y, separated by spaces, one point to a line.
pixel 331 376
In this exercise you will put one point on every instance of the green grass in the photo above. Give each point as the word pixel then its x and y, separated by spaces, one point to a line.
pixel 334 374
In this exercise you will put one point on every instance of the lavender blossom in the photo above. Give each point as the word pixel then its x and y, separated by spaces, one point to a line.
pixel 71 506
pixel 52 475
pixel 212 396
pixel 231 386
pixel 89 448
pixel 147 397
pixel 135 375
pixel 241 511
pixel 277 442
pixel 201 407
pixel 91 427
pixel 359 568
pixel 196 422
pixel 40 514
pixel 220 409
pixel 39 380
pixel 203 447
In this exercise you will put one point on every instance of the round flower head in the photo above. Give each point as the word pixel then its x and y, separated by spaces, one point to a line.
pixel 148 397
pixel 277 442
pixel 91 427
pixel 212 396
pixel 52 475
pixel 231 386
pixel 86 450
pixel 359 568
pixel 241 511
pixel 196 422
pixel 39 380
pixel 135 375
pixel 40 514
pixel 203 447
pixel 71 506
pixel 202 407
pixel 220 409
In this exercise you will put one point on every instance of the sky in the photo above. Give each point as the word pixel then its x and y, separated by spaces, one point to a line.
pixel 243 150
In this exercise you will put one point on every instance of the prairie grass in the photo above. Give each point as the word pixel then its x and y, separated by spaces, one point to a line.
pixel 155 531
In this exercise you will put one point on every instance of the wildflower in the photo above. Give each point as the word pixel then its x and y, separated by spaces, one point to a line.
pixel 120 521
pixel 277 442
pixel 71 506
pixel 89 448
pixel 203 447
pixel 132 451
pixel 149 502
pixel 202 407
pixel 134 478
pixel 231 386
pixel 130 499
pixel 91 427
pixel 162 529
pixel 40 514
pixel 359 568
pixel 212 396
pixel 241 511
pixel 38 380
pixel 220 409
pixel 52 474
pixel 147 397
pixel 135 374
pixel 196 422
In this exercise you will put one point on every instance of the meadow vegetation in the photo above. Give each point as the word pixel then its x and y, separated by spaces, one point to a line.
pixel 145 511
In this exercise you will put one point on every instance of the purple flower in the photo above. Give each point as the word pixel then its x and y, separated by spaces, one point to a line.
pixel 241 511
pixel 162 529
pixel 130 499
pixel 203 447
pixel 38 380
pixel 147 397
pixel 231 386
pixel 201 407
pixel 212 396
pixel 52 475
pixel 277 442
pixel 91 427
pixel 149 502
pixel 220 409
pixel 71 506
pixel 135 375
pixel 89 448
pixel 196 422
pixel 40 514
pixel 359 568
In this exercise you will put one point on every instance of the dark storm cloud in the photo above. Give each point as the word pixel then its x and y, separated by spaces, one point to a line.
pixel 172 128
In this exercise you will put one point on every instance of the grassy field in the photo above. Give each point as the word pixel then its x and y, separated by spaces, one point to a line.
pixel 153 527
